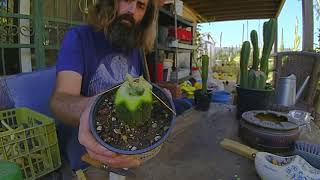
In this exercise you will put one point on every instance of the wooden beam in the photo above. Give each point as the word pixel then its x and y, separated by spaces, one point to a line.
pixel 213 8
pixel 235 9
pixel 238 6
pixel 307 21
pixel 236 12
pixel 280 7
pixel 240 17
pixel 24 37
pixel 252 14
pixel 218 3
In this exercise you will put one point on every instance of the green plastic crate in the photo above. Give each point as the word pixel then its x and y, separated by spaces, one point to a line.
pixel 29 139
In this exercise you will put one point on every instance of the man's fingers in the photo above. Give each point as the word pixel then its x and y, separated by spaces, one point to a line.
pixel 94 146
pixel 116 162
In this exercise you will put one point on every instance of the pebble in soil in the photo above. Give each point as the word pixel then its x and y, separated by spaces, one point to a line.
pixel 121 136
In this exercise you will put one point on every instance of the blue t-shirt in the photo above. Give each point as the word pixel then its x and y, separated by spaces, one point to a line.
pixel 88 53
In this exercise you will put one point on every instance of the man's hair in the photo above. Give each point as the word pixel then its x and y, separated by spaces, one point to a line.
pixel 104 12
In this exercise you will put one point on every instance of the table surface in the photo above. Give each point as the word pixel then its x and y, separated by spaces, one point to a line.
pixel 193 152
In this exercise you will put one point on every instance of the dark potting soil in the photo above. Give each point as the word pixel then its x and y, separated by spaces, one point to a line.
pixel 119 135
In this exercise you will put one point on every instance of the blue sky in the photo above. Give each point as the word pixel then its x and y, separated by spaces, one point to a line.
pixel 232 30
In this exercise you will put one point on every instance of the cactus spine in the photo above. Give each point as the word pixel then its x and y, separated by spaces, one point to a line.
pixel 204 73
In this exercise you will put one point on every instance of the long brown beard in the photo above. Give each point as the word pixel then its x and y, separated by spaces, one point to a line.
pixel 122 35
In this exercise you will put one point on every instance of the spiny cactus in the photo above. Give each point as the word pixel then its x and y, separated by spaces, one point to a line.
pixel 244 60
pixel 269 31
pixel 256 78
pixel 255 46
pixel 133 101
pixel 204 73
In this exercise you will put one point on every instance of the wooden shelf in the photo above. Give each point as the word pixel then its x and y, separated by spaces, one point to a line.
pixel 182 79
pixel 169 17
pixel 172 49
pixel 177 44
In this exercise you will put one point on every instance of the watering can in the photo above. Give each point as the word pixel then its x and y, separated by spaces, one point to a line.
pixel 286 94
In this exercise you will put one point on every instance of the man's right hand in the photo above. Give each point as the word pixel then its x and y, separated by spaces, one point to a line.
pixel 96 150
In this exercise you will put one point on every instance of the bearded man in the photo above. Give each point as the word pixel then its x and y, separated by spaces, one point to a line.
pixel 92 59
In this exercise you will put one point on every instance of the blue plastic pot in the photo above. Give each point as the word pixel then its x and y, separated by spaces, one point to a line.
pixel 221 96
pixel 92 121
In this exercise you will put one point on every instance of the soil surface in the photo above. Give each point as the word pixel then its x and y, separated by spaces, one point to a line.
pixel 119 135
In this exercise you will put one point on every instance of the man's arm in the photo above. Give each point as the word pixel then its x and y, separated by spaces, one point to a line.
pixel 66 102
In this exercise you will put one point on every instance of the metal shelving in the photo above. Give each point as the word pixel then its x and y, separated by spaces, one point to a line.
pixel 167 18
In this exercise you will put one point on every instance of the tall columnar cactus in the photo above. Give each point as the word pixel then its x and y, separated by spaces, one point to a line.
pixel 204 73
pixel 244 60
pixel 269 31
pixel 256 78
pixel 255 46
pixel 133 101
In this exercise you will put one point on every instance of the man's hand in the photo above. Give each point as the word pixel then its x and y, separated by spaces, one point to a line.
pixel 96 150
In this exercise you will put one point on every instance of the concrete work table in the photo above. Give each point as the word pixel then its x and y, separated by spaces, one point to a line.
pixel 193 151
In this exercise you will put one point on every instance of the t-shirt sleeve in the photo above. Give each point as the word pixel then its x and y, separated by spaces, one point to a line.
pixel 70 56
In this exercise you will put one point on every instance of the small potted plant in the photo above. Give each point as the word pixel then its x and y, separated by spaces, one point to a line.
pixel 202 97
pixel 254 93
pixel 133 118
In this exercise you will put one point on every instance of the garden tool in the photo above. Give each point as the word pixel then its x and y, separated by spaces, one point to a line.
pixel 118 171
pixel 270 166
pixel 286 94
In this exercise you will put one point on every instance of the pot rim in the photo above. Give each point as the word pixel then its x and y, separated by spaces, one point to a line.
pixel 128 152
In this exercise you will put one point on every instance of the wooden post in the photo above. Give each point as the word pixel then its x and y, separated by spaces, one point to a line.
pixel 24 37
pixel 307 19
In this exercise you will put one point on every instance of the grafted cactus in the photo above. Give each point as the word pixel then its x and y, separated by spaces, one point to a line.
pixel 133 101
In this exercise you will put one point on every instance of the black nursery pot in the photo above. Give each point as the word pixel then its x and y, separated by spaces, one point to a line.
pixel 252 99
pixel 145 151
pixel 202 101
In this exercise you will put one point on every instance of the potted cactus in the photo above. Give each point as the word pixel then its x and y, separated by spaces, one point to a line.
pixel 203 96
pixel 253 93
pixel 133 118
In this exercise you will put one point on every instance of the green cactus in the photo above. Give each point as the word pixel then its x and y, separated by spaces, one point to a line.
pixel 254 41
pixel 133 101
pixel 269 30
pixel 204 73
pixel 256 78
pixel 244 60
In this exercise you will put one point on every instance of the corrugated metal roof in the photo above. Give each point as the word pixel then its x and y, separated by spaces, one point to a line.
pixel 225 10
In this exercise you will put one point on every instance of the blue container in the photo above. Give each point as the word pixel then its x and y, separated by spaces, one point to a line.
pixel 308 151
pixel 221 96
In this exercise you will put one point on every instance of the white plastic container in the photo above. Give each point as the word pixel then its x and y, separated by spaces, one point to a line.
pixel 179 7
